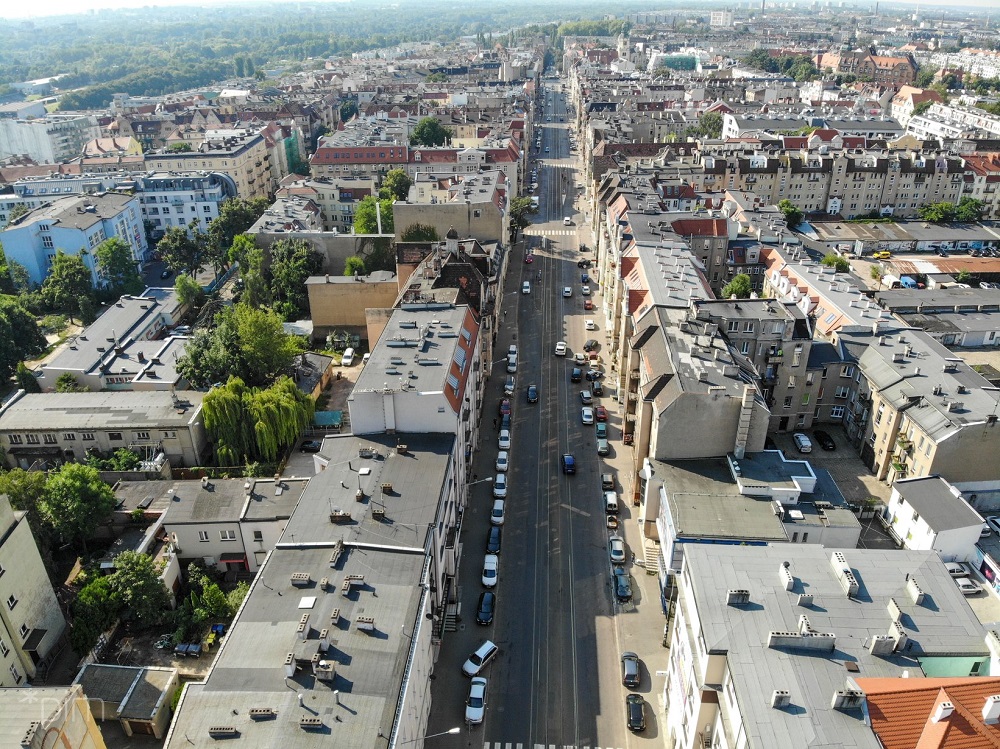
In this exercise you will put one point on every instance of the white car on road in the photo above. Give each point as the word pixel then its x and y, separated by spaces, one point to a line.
pixel 491 570
pixel 502 463
pixel 496 514
pixel 561 348
pixel 500 486
pixel 587 415
pixel 503 441
pixel 475 706
pixel 590 325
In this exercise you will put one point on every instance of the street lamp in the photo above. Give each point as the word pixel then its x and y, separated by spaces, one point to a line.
pixel 491 479
pixel 449 732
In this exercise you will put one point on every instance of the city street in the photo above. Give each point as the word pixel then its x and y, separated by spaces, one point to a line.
pixel 556 680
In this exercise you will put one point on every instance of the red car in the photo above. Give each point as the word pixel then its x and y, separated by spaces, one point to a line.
pixel 588 304
pixel 601 413
pixel 529 258
pixel 505 407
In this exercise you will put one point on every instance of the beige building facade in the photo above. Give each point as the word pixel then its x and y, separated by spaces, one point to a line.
pixel 46 717
pixel 340 302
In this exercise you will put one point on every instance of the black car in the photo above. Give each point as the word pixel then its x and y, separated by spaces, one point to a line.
pixel 167 273
pixel 583 263
pixel 493 539
pixel 630 670
pixel 590 345
pixel 593 375
pixel 311 446
pixel 576 375
pixel 597 389
pixel 568 463
pixel 635 716
pixel 487 603
pixel 532 394
pixel 623 588
pixel 505 421
pixel 825 440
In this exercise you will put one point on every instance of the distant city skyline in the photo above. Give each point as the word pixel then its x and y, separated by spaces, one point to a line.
pixel 76 7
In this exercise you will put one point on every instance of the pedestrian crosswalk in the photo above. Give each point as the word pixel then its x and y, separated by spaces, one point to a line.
pixel 501 745
pixel 550 233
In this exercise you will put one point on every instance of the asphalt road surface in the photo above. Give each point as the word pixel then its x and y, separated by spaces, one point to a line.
pixel 556 679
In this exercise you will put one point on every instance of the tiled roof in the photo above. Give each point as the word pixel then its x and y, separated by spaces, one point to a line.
pixel 902 712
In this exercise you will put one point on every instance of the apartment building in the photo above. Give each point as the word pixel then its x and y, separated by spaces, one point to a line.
pixel 35 716
pixel 884 69
pixel 47 140
pixel 31 621
pixel 337 197
pixel 75 225
pixel 761 634
pixel 475 206
pixel 982 182
pixel 243 155
pixel 53 428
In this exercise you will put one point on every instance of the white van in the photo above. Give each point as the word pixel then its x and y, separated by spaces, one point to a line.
pixel 611 503
pixel 526 287
pixel 348 358
pixel 512 363
pixel 567 221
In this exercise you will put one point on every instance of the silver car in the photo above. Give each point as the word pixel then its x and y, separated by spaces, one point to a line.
pixel 616 549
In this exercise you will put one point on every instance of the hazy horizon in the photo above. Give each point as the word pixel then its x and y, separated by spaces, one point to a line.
pixel 81 7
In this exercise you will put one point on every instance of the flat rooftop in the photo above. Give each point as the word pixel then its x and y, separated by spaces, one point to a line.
pixel 126 410
pixel 942 624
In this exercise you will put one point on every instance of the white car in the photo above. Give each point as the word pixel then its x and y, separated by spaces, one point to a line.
pixel 587 415
pixel 480 659
pixel 496 514
pixel 585 290
pixel 567 291
pixel 491 570
pixel 590 325
pixel 561 348
pixel 956 570
pixel 802 443
pixel 967 587
pixel 993 521
pixel 500 486
pixel 502 464
pixel 512 350
pixel 579 358
pixel 616 549
pixel 475 706
pixel 503 442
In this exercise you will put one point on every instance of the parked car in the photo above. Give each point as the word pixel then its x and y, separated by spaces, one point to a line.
pixel 621 583
pixel 993 521
pixel 585 290
pixel 956 569
pixel 607 482
pixel 491 570
pixel 602 431
pixel 587 414
pixel 590 345
pixel 497 513
pixel 601 413
pixel 509 385
pixel 590 325
pixel 586 397
pixel 630 670
pixel 568 463
pixel 502 461
pixel 494 539
pixel 588 304
pixel 967 587
pixel 311 446
pixel 167 273
pixel 475 705
pixel 635 708
pixel 579 358
pixel 500 486
pixel 824 439
pixel 593 375
pixel 505 421
pixel 505 406
pixel 480 658
pixel 487 604
pixel 576 375
pixel 560 348
pixel 802 443
pixel 503 441
pixel 616 549
pixel 603 446
pixel 597 389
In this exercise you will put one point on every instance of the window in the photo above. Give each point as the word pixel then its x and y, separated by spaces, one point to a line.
pixel 258 536
pixel 788 402
pixel 734 326
pixel 87 436
pixel 795 537
pixel 11 602
pixel 169 435
pixel 879 412
pixel 841 392
pixel 142 435
pixel 805 537
pixel 49 439
pixel 115 436
pixel 69 437
pixel 801 421
pixel 14 439
pixel 805 399
pixel 227 535
pixel 31 439
pixel 797 356
pixel 4 650
pixel 791 381
pixel 17 676
pixel 847 371
pixel 23 630
pixel 47 242
pixel 206 208
pixel 916 516
pixel 837 412
pixel 745 348
pixel 748 326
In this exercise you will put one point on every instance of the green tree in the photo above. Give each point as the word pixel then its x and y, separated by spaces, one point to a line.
pixel 68 286
pixel 20 337
pixel 366 220
pixel 19 277
pixel 521 209
pixel 925 77
pixel 136 582
pixel 247 424
pixel 235 597
pixel 963 276
pixel 348 110
pixel 25 490
pixel 429 132
pixel 16 212
pixel 922 107
pixel 937 213
pixel 292 262
pixel 241 246
pixel 26 379
pixel 420 233
pixel 876 273
pixel 793 216
pixel 189 291
pixel 236 215
pixel 354 266
pixel 969 210
pixel 182 147
pixel 95 609
pixel 247 342
pixel 76 501
pixel 211 604
pixel 709 126
pixel 117 267
pixel 256 291
pixel 396 185
pixel 836 262
pixel 437 78
pixel 67 383
pixel 181 252
pixel 740 287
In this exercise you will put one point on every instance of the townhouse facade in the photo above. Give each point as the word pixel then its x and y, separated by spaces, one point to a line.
pixel 243 155
pixel 49 139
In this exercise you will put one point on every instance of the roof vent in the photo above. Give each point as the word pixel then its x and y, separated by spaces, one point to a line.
pixel 310 722
pixel 780 698
pixel 300 579
pixel 223 732
pixel 262 713
pixel 943 711
pixel 737 596
pixel 991 709
pixel 847 699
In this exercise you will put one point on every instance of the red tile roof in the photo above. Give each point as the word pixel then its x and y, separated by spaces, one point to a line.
pixel 701 227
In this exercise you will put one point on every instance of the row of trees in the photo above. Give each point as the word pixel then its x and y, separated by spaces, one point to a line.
pixel 968 210
pixel 799 67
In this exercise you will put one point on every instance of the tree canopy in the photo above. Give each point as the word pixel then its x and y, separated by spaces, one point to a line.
pixel 968 210
pixel 366 220
pixel 396 185
pixel 136 583
pixel 247 424
pixel 740 287
pixel 76 501
pixel 793 215
pixel 68 286
pixel 521 208
pixel 181 251
pixel 430 132
pixel 246 342
pixel 420 233
pixel 20 337
pixel 836 262
pixel 117 267
pixel 354 266
pixel 709 126
pixel 292 262
pixel 236 215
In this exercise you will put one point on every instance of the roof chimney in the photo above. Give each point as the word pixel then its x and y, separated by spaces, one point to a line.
pixel 943 711
pixel 991 710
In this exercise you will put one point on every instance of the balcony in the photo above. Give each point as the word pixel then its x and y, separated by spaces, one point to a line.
pixel 774 355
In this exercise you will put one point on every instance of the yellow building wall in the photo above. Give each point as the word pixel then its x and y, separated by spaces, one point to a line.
pixel 343 304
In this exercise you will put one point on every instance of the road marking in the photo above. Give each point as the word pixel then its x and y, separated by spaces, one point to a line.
pixel 578 511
